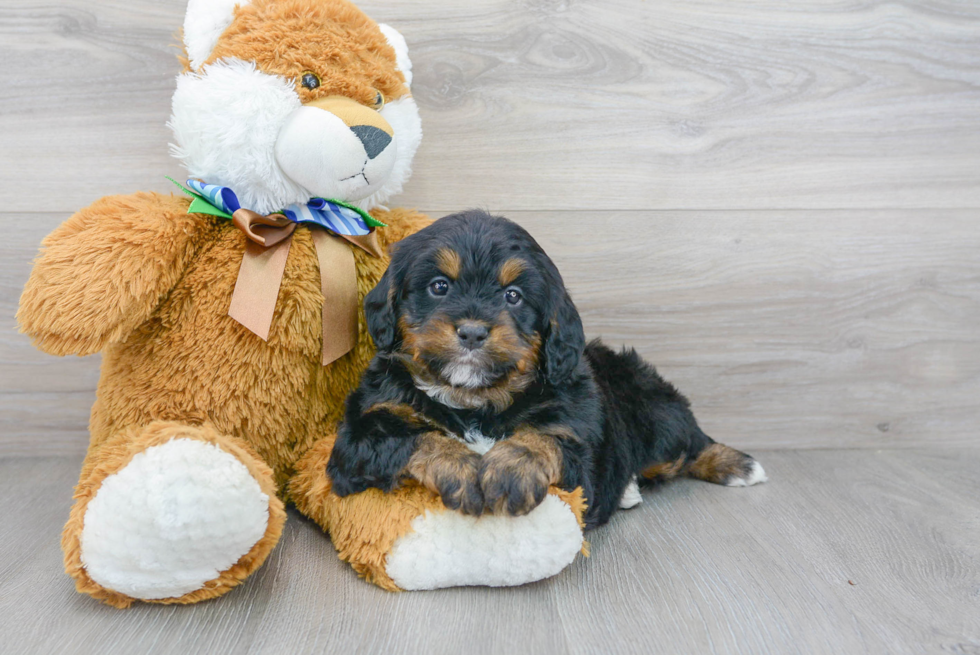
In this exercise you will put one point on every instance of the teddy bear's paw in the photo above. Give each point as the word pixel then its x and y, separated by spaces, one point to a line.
pixel 171 520
pixel 449 549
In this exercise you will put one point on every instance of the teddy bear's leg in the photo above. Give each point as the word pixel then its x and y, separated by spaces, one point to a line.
pixel 170 513
pixel 407 539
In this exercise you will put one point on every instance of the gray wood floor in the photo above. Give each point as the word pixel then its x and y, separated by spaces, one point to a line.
pixel 843 551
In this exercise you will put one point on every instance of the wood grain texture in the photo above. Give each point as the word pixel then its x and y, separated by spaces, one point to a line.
pixel 786 329
pixel 695 568
pixel 790 329
pixel 550 104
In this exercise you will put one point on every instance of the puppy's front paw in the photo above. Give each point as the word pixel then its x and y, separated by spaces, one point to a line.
pixel 353 478
pixel 355 484
pixel 450 469
pixel 458 484
pixel 514 481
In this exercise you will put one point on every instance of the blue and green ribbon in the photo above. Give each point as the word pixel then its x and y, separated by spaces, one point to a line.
pixel 335 215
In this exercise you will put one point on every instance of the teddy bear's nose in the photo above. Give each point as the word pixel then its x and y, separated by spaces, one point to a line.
pixel 368 125
pixel 375 140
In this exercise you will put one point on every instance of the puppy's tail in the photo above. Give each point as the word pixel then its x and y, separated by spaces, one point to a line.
pixel 651 424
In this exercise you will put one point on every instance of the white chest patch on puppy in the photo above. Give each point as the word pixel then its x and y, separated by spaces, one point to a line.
pixel 477 441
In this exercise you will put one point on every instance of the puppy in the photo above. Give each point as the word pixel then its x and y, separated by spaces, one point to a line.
pixel 484 390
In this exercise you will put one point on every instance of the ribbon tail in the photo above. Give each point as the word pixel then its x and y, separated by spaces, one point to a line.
pixel 338 282
pixel 253 302
pixel 366 242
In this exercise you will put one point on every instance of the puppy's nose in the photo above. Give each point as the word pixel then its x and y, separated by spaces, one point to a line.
pixel 472 335
pixel 375 139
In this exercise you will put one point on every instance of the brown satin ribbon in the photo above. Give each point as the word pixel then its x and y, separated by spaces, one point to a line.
pixel 253 302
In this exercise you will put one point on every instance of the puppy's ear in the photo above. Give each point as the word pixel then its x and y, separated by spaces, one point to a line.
pixel 565 341
pixel 381 311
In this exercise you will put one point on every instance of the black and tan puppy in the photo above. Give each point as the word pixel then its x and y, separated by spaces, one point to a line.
pixel 484 390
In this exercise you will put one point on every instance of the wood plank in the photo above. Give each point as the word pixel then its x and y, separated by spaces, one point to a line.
pixel 789 329
pixel 695 568
pixel 605 104
pixel 44 401
pixel 771 570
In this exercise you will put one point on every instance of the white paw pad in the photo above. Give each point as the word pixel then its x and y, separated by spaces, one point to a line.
pixel 450 549
pixel 174 518
pixel 755 475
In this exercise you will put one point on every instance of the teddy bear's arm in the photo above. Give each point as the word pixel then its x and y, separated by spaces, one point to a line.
pixel 105 270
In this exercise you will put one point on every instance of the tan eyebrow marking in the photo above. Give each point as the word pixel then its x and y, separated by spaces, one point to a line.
pixel 510 270
pixel 449 262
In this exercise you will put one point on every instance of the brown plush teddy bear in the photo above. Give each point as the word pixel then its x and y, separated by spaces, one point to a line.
pixel 231 326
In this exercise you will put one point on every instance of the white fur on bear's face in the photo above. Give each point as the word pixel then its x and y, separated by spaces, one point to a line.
pixel 239 127
pixel 316 149
pixel 226 120
pixel 403 116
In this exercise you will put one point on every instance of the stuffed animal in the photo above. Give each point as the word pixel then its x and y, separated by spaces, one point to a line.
pixel 229 317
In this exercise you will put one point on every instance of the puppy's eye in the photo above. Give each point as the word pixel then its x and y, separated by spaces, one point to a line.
pixel 310 80
pixel 379 100
pixel 513 296
pixel 439 287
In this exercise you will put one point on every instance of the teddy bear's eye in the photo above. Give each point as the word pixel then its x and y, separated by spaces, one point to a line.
pixel 310 80
pixel 379 100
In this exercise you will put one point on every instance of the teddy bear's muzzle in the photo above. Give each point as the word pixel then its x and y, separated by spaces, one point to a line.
pixel 354 114
pixel 337 148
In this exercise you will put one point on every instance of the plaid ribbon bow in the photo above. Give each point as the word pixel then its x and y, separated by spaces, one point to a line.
pixel 338 217
pixel 253 302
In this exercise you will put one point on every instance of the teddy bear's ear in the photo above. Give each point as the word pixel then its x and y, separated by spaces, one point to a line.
pixel 204 22
pixel 397 41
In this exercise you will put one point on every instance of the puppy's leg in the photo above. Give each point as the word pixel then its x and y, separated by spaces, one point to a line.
pixel 372 450
pixel 388 443
pixel 447 467
pixel 704 459
pixel 515 474
pixel 723 464
pixel 651 430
